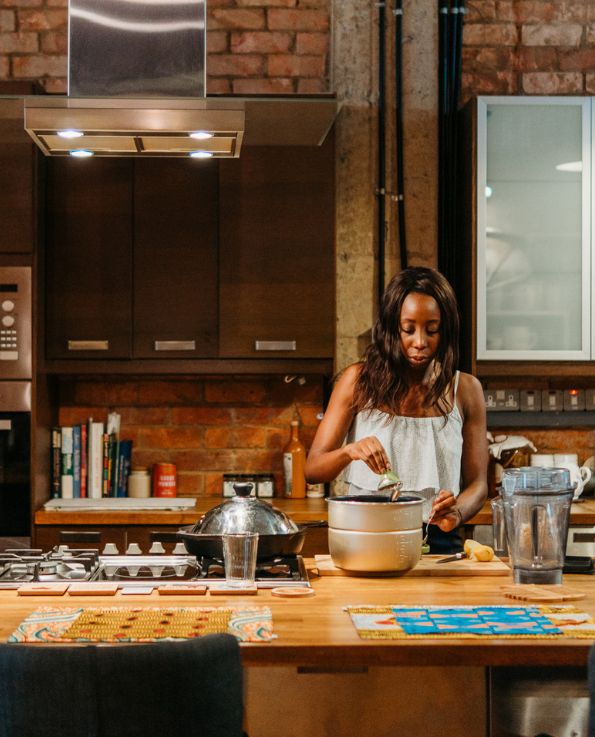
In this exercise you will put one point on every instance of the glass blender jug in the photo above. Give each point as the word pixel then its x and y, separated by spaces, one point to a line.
pixel 537 528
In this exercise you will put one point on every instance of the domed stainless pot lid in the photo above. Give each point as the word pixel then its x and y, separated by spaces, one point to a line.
pixel 244 513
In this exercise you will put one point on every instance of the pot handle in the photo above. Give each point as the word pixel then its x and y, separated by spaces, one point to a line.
pixel 316 523
pixel 243 489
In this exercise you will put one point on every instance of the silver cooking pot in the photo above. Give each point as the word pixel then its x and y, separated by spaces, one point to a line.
pixel 371 534
pixel 278 535
pixel 375 512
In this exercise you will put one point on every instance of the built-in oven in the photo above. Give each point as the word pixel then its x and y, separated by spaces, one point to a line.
pixel 15 402
pixel 539 702
pixel 15 459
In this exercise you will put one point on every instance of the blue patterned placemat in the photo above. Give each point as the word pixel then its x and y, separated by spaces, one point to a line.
pixel 396 622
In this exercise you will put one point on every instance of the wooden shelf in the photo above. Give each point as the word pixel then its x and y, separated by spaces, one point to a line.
pixel 541 419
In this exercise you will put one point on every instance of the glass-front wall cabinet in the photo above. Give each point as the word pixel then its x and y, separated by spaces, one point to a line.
pixel 534 229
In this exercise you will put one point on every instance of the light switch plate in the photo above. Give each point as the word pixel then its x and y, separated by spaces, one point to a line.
pixel 574 400
pixel 552 400
pixel 590 400
pixel 530 400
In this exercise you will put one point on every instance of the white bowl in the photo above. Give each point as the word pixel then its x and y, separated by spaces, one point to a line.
pixel 371 552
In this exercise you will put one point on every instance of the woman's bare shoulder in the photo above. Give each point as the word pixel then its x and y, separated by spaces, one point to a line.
pixel 470 392
pixel 346 379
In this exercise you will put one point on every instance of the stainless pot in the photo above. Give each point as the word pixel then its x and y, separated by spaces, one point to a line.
pixel 375 552
pixel 371 534
pixel 375 513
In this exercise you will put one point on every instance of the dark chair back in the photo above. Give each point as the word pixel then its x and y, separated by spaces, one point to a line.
pixel 165 689
pixel 591 672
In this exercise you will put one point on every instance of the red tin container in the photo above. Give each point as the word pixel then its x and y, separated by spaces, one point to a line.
pixel 164 479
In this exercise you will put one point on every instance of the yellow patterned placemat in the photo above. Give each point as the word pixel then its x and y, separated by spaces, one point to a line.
pixel 143 624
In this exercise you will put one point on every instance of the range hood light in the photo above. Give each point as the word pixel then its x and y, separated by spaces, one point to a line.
pixel 81 153
pixel 200 154
pixel 201 135
pixel 70 133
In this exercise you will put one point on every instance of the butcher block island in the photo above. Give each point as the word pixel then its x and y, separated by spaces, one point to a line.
pixel 318 676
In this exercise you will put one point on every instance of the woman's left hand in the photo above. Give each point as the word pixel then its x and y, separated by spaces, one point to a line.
pixel 445 513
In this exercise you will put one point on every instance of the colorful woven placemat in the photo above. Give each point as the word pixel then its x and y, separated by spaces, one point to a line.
pixel 143 624
pixel 500 621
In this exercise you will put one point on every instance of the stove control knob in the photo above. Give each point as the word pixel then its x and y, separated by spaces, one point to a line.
pixel 156 548
pixel 110 549
pixel 180 549
pixel 133 549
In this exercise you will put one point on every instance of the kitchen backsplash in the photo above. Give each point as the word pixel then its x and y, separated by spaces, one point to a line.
pixel 206 427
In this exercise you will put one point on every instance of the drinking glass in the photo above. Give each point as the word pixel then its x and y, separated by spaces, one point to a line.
pixel 499 527
pixel 239 558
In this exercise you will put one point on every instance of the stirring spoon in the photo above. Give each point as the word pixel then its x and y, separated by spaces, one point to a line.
pixel 390 482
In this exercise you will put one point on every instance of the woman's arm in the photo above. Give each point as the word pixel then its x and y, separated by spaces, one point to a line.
pixel 450 511
pixel 328 456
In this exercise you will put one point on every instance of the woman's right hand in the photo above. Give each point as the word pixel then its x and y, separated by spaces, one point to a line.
pixel 371 452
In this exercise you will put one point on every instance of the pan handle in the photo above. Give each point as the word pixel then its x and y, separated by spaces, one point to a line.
pixel 316 523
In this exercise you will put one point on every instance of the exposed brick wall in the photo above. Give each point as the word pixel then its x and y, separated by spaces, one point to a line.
pixel 253 46
pixel 207 427
pixel 532 47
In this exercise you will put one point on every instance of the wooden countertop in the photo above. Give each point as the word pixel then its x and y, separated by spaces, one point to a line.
pixel 315 631
pixel 300 510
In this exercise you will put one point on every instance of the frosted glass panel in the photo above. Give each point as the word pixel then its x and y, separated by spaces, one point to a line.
pixel 533 234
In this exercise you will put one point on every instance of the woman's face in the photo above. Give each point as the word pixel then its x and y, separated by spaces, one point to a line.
pixel 419 331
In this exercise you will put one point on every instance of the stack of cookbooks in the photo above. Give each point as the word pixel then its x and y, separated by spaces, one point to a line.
pixel 90 460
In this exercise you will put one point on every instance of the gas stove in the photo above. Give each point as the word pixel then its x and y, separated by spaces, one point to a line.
pixel 77 565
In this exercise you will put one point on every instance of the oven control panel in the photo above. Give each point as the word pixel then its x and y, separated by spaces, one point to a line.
pixel 15 322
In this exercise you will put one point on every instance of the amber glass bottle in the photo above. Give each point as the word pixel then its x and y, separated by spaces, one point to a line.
pixel 294 462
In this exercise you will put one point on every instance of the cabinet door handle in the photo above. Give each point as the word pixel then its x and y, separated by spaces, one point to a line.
pixel 88 345
pixel 175 345
pixel 5 425
pixel 275 345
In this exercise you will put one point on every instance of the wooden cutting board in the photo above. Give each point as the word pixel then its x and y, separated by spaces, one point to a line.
pixel 427 566
pixel 535 592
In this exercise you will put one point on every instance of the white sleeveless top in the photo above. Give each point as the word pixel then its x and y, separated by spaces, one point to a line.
pixel 423 451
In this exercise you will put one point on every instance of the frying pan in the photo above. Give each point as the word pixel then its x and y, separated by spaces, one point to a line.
pixel 269 546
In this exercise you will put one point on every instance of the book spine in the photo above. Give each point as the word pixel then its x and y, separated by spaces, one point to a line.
pixel 95 460
pixel 105 465
pixel 56 462
pixel 66 464
pixel 115 462
pixel 84 469
pixel 124 467
pixel 76 461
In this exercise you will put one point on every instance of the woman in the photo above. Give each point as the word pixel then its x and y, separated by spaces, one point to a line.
pixel 406 407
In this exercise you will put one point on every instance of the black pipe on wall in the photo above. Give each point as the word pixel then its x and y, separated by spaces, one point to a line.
pixel 399 143
pixel 450 28
pixel 381 187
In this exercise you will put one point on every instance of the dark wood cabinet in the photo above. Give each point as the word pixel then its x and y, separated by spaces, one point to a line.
pixel 17 181
pixel 89 258
pixel 175 258
pixel 277 252
pixel 184 259
pixel 131 259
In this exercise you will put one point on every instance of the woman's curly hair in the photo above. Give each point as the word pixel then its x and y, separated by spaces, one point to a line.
pixel 382 382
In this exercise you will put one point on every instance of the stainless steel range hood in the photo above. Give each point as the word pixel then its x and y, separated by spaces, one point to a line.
pixel 136 87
